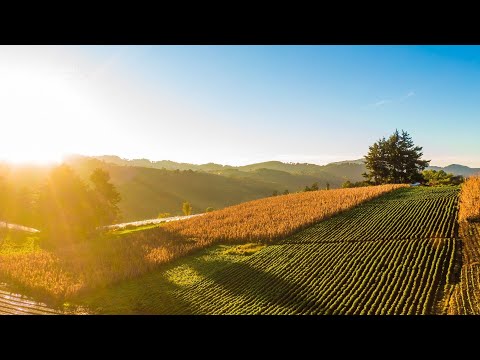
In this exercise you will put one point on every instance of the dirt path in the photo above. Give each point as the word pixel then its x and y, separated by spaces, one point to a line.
pixel 18 227
pixel 115 226
pixel 150 221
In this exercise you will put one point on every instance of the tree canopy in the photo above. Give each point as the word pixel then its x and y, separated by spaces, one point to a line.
pixel 396 160
pixel 63 207
pixel 186 208
pixel 106 197
pixel 435 178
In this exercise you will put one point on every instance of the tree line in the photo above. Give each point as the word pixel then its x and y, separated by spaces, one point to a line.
pixel 64 206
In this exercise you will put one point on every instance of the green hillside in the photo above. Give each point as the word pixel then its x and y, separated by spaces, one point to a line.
pixel 334 173
pixel 146 192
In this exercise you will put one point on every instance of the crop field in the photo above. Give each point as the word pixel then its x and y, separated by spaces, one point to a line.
pixel 62 273
pixel 393 255
pixel 465 295
pixel 399 253
pixel 274 218
pixel 470 199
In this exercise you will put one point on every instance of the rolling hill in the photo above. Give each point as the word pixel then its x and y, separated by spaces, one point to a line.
pixel 146 192
pixel 151 189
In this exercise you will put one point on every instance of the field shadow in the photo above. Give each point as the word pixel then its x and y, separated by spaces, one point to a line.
pixel 254 285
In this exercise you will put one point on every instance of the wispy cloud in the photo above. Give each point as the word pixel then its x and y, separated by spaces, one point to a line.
pixel 381 103
pixel 410 94
pixel 389 101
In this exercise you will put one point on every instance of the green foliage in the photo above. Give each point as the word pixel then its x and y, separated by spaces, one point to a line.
pixel 435 178
pixel 349 184
pixel 106 198
pixel 164 215
pixel 245 249
pixel 186 208
pixel 132 228
pixel 66 207
pixel 395 160
pixel 314 187
pixel 209 209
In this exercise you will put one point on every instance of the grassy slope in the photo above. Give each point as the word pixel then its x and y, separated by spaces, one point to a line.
pixel 155 292
pixel 201 283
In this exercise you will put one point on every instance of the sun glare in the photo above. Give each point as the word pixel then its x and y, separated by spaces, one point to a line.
pixel 34 157
pixel 42 114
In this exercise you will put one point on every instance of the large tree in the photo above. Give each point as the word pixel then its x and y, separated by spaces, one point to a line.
pixel 65 207
pixel 106 197
pixel 394 160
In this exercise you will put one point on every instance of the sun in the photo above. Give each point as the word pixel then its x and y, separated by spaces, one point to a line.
pixel 39 157
pixel 42 110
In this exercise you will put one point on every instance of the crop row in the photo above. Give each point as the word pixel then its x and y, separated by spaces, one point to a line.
pixel 275 217
pixel 392 255
pixel 423 214
pixel 360 277
pixel 465 298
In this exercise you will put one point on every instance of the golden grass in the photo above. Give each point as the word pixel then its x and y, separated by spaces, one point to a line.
pixel 76 268
pixel 470 200
pixel 275 217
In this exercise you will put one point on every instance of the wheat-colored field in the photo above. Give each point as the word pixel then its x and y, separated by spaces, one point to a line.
pixel 67 271
pixel 470 199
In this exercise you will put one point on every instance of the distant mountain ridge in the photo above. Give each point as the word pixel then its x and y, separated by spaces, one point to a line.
pixel 457 169
pixel 334 169
pixel 346 170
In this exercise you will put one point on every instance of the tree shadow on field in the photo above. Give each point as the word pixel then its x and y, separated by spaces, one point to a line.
pixel 243 280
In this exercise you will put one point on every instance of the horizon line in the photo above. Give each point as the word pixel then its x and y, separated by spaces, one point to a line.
pixel 65 158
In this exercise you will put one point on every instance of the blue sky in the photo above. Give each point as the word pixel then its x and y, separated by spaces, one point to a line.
pixel 244 104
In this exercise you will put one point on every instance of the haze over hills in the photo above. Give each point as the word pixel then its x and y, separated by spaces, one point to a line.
pixel 149 188
pixel 336 173
pixel 346 170
pixel 152 187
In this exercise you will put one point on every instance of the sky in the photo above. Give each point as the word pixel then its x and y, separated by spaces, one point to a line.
pixel 237 104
